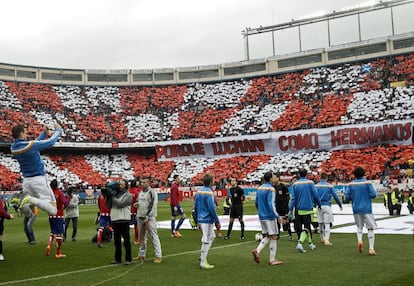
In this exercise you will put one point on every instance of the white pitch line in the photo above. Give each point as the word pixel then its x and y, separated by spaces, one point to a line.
pixel 119 275
pixel 110 265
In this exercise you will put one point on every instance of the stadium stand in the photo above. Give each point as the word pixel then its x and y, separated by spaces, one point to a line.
pixel 378 90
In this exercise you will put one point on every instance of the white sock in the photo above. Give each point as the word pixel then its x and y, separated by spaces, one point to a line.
pixel 204 251
pixel 327 229
pixel 359 233
pixel 262 244
pixel 273 249
pixel 371 238
pixel 44 205
pixel 322 231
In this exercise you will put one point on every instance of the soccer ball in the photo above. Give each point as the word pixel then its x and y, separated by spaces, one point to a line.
pixel 258 236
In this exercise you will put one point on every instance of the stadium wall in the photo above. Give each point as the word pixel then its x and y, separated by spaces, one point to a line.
pixel 387 46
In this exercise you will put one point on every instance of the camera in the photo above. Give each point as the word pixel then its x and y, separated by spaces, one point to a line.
pixel 111 189
pixel 107 192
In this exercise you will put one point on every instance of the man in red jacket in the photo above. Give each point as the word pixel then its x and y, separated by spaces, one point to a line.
pixel 3 215
pixel 176 209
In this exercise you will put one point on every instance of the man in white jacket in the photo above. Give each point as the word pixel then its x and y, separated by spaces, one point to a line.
pixel 71 213
pixel 147 220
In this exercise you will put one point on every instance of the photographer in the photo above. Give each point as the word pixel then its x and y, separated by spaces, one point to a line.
pixel 119 199
pixel 71 213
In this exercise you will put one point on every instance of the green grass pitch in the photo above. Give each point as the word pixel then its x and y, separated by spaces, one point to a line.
pixel 86 264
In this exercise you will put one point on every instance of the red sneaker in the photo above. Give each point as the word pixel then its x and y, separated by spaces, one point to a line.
pixel 360 246
pixel 256 256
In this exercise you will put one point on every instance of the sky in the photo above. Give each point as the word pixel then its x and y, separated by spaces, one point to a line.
pixel 156 34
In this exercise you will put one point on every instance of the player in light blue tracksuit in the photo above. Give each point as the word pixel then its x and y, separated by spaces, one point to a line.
pixel 206 217
pixel 361 192
pixel 266 206
pixel 265 201
pixel 325 216
pixel 27 153
pixel 304 197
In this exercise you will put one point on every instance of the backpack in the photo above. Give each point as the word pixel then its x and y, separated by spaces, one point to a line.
pixel 106 235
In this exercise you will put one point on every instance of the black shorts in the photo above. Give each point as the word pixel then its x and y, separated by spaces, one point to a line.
pixel 1 226
pixel 236 211
pixel 282 209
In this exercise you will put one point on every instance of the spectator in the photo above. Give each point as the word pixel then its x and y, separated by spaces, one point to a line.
pixel 71 213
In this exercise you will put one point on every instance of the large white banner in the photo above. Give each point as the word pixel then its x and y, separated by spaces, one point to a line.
pixel 306 140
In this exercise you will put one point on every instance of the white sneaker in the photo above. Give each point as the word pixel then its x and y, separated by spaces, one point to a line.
pixel 24 201
pixel 312 246
pixel 1 257
pixel 206 265
pixel 327 243
pixel 299 248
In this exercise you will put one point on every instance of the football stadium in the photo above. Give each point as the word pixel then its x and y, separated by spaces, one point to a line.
pixel 325 110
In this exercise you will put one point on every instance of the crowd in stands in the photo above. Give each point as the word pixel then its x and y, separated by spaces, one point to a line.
pixel 312 98
pixel 95 170
pixel 378 90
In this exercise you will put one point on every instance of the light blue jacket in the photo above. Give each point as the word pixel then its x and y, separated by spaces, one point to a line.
pixel 27 153
pixel 304 195
pixel 361 192
pixel 326 191
pixel 204 206
pixel 266 202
